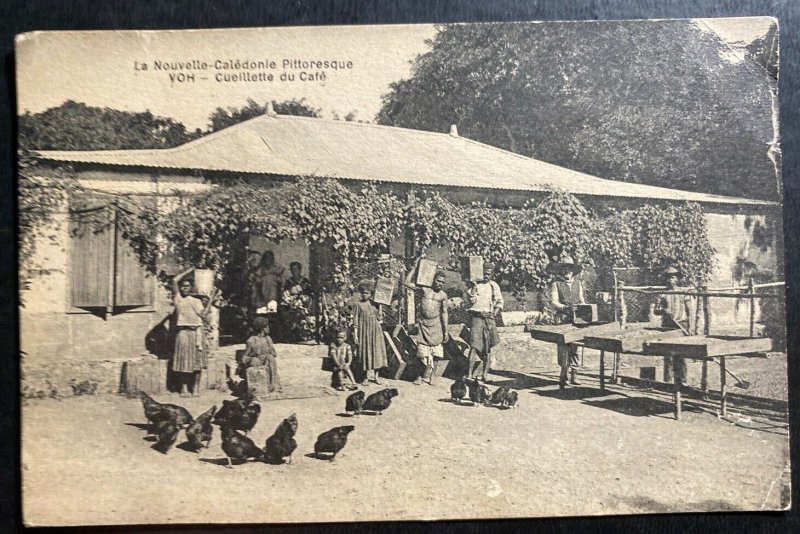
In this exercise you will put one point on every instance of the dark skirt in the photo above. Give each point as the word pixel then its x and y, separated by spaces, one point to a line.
pixel 188 357
pixel 483 333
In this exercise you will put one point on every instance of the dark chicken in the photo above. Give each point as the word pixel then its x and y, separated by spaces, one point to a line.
pixel 511 400
pixel 240 414
pixel 201 430
pixel 378 402
pixel 167 432
pixel 458 390
pixel 333 440
pixel 282 443
pixel 156 411
pixel 355 403
pixel 500 395
pixel 478 393
pixel 239 447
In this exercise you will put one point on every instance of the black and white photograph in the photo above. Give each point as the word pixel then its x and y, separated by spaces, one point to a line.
pixel 401 272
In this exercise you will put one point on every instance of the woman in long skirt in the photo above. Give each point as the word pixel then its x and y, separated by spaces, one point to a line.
pixel 190 356
pixel 368 335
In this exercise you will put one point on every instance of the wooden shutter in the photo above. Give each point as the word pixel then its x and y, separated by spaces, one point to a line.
pixel 132 283
pixel 92 244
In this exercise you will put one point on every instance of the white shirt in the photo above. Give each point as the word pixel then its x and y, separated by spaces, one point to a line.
pixel 485 297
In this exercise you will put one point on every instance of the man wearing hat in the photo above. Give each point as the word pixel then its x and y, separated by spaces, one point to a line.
pixel 675 312
pixel 484 300
pixel 566 293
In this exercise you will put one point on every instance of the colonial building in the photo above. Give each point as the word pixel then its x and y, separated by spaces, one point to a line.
pixel 92 301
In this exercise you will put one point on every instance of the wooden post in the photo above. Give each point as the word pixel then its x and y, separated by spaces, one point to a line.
pixel 722 390
pixel 602 370
pixel 615 372
pixel 616 295
pixel 752 291
pixel 676 385
pixel 623 309
pixel 706 330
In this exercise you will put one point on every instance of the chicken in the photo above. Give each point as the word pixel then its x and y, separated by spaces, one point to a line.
pixel 378 402
pixel 237 446
pixel 478 394
pixel 355 403
pixel 511 400
pixel 201 430
pixel 240 414
pixel 500 395
pixel 156 411
pixel 333 440
pixel 282 443
pixel 458 390
pixel 167 432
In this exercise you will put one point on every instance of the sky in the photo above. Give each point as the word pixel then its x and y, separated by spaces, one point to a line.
pixel 106 69
pixel 99 68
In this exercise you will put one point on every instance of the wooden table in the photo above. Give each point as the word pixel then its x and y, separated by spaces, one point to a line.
pixel 625 341
pixel 643 339
pixel 574 335
pixel 707 348
pixel 565 334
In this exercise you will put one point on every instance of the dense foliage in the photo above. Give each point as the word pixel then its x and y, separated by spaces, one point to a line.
pixel 674 110
pixel 653 237
pixel 210 229
pixel 76 126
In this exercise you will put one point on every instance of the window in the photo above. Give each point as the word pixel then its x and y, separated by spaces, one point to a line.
pixel 105 273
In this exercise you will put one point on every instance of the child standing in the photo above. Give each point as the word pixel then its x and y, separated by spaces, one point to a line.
pixel 368 335
pixel 342 355
pixel 260 352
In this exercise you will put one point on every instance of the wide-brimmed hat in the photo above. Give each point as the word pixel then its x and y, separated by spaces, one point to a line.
pixel 566 262
pixel 670 271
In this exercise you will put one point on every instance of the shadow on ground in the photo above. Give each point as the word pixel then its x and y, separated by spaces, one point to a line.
pixel 636 406
pixel 574 393
pixel 514 380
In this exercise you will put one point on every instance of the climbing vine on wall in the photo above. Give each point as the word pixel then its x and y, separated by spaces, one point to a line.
pixel 655 236
pixel 210 229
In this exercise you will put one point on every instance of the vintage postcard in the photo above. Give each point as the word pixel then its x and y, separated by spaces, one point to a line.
pixel 367 273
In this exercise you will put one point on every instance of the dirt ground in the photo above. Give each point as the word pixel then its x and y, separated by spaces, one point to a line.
pixel 581 452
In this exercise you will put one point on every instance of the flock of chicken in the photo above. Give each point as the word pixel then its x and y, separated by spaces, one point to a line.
pixel 503 396
pixel 240 415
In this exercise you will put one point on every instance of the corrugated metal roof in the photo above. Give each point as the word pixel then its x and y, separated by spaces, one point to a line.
pixel 290 145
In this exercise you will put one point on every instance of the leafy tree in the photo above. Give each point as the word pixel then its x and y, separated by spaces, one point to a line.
pixel 651 103
pixel 222 118
pixel 76 126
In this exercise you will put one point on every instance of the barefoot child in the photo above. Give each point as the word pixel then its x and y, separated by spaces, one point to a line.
pixel 342 355
pixel 368 335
